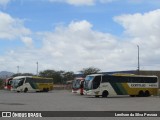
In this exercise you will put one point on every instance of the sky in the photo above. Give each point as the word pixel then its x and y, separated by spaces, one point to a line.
pixel 74 34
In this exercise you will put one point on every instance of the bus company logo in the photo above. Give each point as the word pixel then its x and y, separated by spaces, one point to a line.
pixel 6 114
pixel 23 114
pixel 138 85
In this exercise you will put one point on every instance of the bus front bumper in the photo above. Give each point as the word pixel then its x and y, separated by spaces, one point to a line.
pixel 88 92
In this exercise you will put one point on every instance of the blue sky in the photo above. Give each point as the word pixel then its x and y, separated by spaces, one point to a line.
pixel 74 34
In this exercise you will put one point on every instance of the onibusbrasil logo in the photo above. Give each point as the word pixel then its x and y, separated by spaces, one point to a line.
pixel 21 114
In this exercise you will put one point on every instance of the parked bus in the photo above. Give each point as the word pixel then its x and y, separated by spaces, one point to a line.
pixel 77 85
pixel 107 85
pixel 7 84
pixel 31 83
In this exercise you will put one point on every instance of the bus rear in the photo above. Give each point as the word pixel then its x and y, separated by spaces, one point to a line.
pixel 77 85
pixel 7 84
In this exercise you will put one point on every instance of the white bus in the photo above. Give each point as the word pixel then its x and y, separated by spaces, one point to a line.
pixel 32 84
pixel 107 85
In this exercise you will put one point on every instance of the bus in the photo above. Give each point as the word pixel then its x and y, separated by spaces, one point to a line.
pixel 109 85
pixel 7 83
pixel 77 85
pixel 31 84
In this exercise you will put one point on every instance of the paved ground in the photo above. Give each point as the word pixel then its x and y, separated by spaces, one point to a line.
pixel 62 100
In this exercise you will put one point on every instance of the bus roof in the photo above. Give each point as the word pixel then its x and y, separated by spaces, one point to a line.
pixel 79 78
pixel 126 75
pixel 19 77
pixel 132 75
pixel 95 74
pixel 41 77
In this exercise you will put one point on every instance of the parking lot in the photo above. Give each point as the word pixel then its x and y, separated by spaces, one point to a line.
pixel 64 100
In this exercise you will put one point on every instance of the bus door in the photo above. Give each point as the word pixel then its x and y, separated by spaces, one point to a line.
pixel 96 84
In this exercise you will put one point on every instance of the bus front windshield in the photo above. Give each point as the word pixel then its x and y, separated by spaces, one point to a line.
pixel 88 82
pixel 17 82
pixel 76 84
pixel 92 82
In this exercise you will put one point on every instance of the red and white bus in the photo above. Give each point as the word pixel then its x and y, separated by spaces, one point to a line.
pixel 77 85
pixel 7 83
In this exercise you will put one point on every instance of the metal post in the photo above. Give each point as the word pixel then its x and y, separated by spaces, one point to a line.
pixel 17 69
pixel 138 60
pixel 37 68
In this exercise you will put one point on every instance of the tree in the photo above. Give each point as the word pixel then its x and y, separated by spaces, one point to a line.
pixel 90 70
pixel 56 75
pixel 68 75
pixel 1 83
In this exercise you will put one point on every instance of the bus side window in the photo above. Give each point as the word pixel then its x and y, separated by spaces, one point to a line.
pixel 131 79
pixel 28 80
pixel 150 79
pixel 104 79
pixel 96 82
pixel 154 79
pixel 21 83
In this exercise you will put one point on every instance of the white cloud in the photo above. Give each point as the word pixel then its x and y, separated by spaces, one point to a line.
pixel 3 3
pixel 75 2
pixel 82 2
pixel 107 1
pixel 11 28
pixel 27 41
pixel 143 29
pixel 141 24
pixel 77 46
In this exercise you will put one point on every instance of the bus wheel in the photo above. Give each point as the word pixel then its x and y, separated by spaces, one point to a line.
pixel 147 94
pixel 105 94
pixel 25 90
pixel 47 89
pixel 97 96
pixel 81 94
pixel 44 89
pixel 141 94
pixel 132 95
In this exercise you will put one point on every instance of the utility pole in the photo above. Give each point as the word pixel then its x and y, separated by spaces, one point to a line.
pixel 17 69
pixel 37 68
pixel 138 60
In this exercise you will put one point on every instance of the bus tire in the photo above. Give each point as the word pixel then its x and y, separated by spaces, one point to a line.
pixel 97 96
pixel 47 89
pixel 132 95
pixel 81 94
pixel 25 90
pixel 105 94
pixel 147 93
pixel 44 89
pixel 141 94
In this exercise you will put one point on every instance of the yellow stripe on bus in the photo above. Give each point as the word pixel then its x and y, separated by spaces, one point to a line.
pixel 135 91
